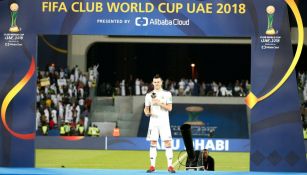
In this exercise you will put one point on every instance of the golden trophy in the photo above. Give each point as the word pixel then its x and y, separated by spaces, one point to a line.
pixel 14 11
pixel 270 12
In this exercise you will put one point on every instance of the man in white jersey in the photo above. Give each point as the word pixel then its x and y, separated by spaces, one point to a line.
pixel 158 103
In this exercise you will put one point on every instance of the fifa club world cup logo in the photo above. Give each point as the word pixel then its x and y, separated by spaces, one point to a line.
pixel 270 12
pixel 14 11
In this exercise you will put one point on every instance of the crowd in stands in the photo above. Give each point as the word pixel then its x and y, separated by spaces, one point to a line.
pixel 302 87
pixel 183 87
pixel 63 102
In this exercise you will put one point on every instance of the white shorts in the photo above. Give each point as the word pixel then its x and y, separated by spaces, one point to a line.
pixel 163 131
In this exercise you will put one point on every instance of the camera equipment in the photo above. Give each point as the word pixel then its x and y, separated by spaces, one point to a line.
pixel 194 160
pixel 185 130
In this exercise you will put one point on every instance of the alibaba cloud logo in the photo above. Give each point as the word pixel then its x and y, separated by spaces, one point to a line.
pixel 141 21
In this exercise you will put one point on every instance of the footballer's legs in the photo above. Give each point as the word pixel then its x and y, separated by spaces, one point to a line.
pixel 169 155
pixel 152 155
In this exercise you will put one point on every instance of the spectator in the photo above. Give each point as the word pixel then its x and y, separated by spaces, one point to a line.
pixel 62 130
pixel 181 87
pixel 195 90
pixel 38 116
pixel 202 89
pixel 123 88
pixel 137 87
pixel 80 129
pixel 67 129
pixel 223 90
pixel 45 129
pixel 144 89
pixel 116 131
pixel 90 131
pixel 215 88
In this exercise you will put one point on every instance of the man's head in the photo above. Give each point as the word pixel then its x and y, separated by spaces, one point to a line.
pixel 206 153
pixel 157 82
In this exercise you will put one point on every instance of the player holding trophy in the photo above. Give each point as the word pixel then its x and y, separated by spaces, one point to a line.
pixel 158 103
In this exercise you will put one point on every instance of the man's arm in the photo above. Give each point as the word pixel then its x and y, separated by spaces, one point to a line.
pixel 167 107
pixel 147 111
pixel 147 106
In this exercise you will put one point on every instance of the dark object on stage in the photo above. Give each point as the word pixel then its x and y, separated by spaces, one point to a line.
pixel 185 130
pixel 200 164
pixel 195 160
pixel 195 163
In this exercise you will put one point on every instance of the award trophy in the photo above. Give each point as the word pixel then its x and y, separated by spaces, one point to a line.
pixel 153 95
pixel 14 11
pixel 270 12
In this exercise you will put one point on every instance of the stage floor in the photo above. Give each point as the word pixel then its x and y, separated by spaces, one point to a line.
pixel 71 171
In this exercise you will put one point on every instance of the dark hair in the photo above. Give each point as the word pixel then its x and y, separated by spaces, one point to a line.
pixel 157 76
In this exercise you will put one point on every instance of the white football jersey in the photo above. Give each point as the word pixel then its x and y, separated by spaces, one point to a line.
pixel 160 116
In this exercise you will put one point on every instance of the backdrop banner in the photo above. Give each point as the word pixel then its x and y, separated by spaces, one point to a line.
pixel 276 133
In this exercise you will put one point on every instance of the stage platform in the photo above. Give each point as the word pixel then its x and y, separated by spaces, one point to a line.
pixel 71 171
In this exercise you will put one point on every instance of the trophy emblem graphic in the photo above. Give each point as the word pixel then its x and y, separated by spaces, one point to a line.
pixel 14 11
pixel 193 114
pixel 270 12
